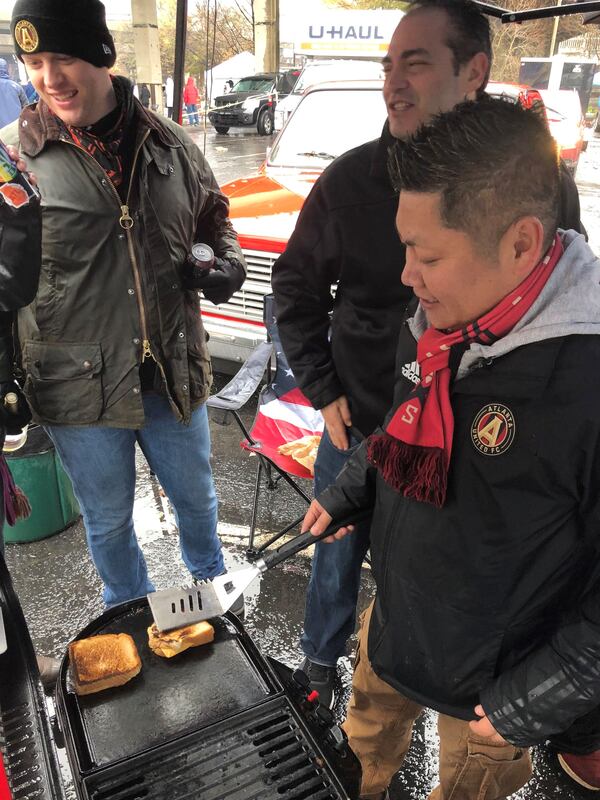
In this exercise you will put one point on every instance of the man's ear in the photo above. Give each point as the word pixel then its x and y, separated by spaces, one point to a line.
pixel 476 73
pixel 525 244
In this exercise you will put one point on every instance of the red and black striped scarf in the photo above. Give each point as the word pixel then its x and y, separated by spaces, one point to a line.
pixel 105 149
pixel 413 455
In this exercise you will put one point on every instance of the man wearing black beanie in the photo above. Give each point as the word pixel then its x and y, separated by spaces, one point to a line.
pixel 113 346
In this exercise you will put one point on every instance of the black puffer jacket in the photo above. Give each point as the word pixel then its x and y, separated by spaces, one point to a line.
pixel 346 232
pixel 20 261
pixel 495 598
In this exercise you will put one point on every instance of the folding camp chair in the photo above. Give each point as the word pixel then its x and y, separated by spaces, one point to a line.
pixel 283 415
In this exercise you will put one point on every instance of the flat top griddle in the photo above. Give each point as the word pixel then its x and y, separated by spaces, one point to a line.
pixel 170 697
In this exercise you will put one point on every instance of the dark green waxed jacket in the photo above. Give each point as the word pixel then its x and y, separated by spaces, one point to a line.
pixel 111 285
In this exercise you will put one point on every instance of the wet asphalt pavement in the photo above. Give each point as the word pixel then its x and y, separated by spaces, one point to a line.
pixel 61 593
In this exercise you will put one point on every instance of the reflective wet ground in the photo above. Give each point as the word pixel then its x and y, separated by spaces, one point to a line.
pixel 60 592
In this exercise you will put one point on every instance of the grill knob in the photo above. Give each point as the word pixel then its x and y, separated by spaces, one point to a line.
pixel 301 679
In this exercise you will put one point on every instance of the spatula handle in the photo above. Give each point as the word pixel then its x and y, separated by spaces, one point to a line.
pixel 306 539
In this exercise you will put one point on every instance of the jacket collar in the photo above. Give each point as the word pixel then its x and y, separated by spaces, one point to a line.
pixel 379 161
pixel 38 126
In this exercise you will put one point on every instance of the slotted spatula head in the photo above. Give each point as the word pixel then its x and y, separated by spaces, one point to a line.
pixel 176 608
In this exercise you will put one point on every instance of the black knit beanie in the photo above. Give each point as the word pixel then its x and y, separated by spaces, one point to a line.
pixel 73 27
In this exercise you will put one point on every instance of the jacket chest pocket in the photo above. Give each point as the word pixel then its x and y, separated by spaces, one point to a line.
pixel 64 382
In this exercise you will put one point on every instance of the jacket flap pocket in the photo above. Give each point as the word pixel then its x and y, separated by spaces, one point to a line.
pixel 62 362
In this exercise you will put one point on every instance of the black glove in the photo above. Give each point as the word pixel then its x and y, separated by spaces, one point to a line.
pixel 14 420
pixel 218 284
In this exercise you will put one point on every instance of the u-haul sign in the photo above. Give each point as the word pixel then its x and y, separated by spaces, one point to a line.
pixel 347 33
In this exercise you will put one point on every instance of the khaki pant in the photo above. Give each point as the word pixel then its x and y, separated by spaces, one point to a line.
pixel 379 728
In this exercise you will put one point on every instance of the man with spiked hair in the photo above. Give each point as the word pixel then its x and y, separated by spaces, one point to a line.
pixel 485 479
pixel 440 55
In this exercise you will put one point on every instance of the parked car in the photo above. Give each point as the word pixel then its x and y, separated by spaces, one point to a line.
pixel 517 93
pixel 252 101
pixel 567 124
pixel 562 111
pixel 323 72
pixel 330 119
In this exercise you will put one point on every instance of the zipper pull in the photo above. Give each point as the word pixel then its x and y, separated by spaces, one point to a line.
pixel 125 220
pixel 147 351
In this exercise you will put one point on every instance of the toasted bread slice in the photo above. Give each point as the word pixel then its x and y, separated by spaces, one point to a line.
pixel 102 662
pixel 170 643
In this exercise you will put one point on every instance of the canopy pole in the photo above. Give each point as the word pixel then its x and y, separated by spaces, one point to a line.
pixel 180 43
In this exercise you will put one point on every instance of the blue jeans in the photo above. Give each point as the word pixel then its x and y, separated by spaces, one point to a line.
pixel 101 464
pixel 192 110
pixel 330 613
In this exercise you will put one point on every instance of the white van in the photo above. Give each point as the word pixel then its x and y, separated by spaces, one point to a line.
pixel 325 72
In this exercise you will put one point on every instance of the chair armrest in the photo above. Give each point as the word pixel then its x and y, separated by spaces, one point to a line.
pixel 245 382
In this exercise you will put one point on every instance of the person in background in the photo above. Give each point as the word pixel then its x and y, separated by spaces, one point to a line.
pixel 12 96
pixel 169 94
pixel 439 54
pixel 228 86
pixel 485 477
pixel 30 92
pixel 145 95
pixel 190 99
pixel 113 348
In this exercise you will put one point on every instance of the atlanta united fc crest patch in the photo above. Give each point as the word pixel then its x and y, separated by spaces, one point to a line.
pixel 26 36
pixel 493 429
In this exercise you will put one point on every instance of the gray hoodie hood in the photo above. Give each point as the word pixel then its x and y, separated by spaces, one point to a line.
pixel 569 304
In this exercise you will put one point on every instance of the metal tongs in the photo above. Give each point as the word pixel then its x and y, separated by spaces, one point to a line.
pixel 175 608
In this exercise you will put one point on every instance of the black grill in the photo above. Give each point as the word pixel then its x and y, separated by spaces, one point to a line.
pixel 218 721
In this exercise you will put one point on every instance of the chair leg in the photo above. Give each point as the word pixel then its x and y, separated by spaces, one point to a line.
pixel 271 484
pixel 255 552
pixel 259 470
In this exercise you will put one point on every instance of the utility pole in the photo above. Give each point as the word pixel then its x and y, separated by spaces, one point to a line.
pixel 554 32
pixel 147 48
pixel 266 35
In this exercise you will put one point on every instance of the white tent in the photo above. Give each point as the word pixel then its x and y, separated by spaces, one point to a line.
pixel 233 69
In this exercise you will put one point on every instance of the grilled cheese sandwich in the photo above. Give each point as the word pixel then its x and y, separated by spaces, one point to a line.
pixel 103 662
pixel 170 643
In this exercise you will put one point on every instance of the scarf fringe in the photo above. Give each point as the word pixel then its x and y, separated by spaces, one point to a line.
pixel 416 472
pixel 16 504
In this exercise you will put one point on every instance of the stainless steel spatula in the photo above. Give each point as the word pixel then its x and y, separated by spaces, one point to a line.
pixel 174 608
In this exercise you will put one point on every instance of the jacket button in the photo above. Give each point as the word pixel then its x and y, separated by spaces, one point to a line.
pixel 103 181
pixel 175 286
pixel 87 364
pixel 185 387
pixel 130 291
pixel 181 335
pixel 171 169
pixel 136 340
pixel 136 390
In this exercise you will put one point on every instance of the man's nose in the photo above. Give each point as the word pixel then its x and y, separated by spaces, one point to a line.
pixel 52 75
pixel 411 274
pixel 396 77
